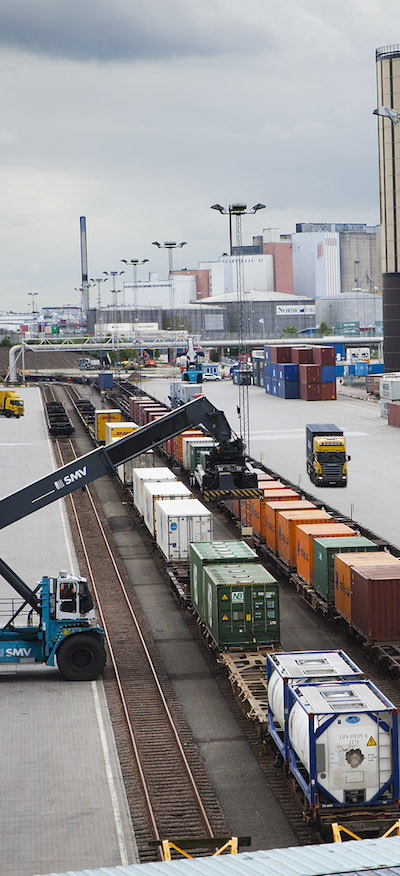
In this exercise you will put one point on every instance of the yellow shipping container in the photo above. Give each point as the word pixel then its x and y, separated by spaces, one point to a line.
pixel 119 430
pixel 101 418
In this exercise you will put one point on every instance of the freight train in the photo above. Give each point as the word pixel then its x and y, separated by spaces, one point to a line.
pixel 335 733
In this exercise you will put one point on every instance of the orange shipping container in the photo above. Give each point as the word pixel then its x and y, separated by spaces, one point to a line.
pixel 258 508
pixel 344 563
pixel 246 512
pixel 305 544
pixel 191 433
pixel 271 509
pixel 286 525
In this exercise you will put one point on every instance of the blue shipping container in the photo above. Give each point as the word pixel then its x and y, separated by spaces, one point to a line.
pixel 288 389
pixel 105 380
pixel 375 368
pixel 361 369
pixel 328 373
pixel 274 387
pixel 268 385
pixel 267 353
pixel 267 370
pixel 274 370
pixel 288 372
pixel 339 370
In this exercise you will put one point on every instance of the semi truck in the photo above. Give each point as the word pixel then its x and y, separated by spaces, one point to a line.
pixel 55 622
pixel 11 404
pixel 326 455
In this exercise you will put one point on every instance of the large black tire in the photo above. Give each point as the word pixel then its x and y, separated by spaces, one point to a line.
pixel 81 657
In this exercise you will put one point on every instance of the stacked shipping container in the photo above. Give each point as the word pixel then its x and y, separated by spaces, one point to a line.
pixel 300 372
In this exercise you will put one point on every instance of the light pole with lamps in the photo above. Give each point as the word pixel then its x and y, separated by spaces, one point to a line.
pixel 135 264
pixel 114 275
pixel 98 280
pixel 84 292
pixel 238 210
pixel 170 245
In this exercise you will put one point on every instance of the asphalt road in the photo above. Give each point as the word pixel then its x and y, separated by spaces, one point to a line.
pixel 278 440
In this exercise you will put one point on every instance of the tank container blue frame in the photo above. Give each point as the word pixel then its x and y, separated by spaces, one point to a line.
pixel 319 797
pixel 279 737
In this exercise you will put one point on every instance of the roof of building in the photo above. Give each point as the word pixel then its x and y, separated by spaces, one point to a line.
pixel 255 295
pixel 380 857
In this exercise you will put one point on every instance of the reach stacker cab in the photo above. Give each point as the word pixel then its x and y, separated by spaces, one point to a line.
pixel 326 455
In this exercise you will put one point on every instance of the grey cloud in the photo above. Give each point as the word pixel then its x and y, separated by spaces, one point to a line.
pixel 126 30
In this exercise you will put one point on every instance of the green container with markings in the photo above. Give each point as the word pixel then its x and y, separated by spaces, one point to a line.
pixel 324 560
pixel 197 447
pixel 208 553
pixel 241 606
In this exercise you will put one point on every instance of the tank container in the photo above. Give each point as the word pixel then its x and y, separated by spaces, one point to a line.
pixel 342 742
pixel 214 553
pixel 324 561
pixel 152 491
pixel 241 606
pixel 300 666
pixel 178 523
pixel 140 475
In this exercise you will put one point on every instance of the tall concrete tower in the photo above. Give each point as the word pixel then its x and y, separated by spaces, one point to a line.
pixel 388 87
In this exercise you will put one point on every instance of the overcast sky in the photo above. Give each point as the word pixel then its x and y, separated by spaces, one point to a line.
pixel 140 115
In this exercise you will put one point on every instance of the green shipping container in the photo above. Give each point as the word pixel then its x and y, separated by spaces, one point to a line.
pixel 324 552
pixel 209 553
pixel 195 449
pixel 241 608
pixel 202 457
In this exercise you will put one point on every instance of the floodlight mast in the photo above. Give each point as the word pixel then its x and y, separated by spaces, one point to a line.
pixel 238 210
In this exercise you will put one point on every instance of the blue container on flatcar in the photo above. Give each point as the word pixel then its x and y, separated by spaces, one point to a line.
pixel 105 380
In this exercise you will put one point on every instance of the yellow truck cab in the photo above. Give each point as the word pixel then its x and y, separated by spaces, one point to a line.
pixel 11 404
pixel 326 455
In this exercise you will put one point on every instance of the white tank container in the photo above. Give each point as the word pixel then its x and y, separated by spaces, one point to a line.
pixel 140 475
pixel 152 491
pixel 187 444
pixel 178 523
pixel 354 753
pixel 297 666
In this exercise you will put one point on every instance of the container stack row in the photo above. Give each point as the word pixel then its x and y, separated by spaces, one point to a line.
pixel 308 372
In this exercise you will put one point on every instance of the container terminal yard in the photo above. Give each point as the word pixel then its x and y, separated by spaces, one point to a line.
pixel 73 751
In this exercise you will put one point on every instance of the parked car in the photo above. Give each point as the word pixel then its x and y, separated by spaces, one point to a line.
pixel 211 376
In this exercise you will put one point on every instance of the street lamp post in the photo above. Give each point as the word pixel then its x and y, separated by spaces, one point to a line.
pixel 84 292
pixel 114 275
pixel 238 210
pixel 99 280
pixel 170 245
pixel 135 264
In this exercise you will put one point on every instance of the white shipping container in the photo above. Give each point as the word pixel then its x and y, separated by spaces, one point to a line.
pixel 186 445
pixel 383 406
pixel 140 475
pixel 144 460
pixel 389 388
pixel 178 523
pixel 161 490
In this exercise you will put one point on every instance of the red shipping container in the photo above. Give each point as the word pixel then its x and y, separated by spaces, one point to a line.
pixel 310 373
pixel 375 602
pixel 310 391
pixel 280 354
pixel 324 355
pixel 394 414
pixel 236 508
pixel 302 355
pixel 328 391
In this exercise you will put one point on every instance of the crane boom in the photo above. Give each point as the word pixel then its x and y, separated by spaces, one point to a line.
pixel 103 460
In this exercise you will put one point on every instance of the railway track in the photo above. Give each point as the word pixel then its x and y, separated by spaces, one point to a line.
pixel 168 791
